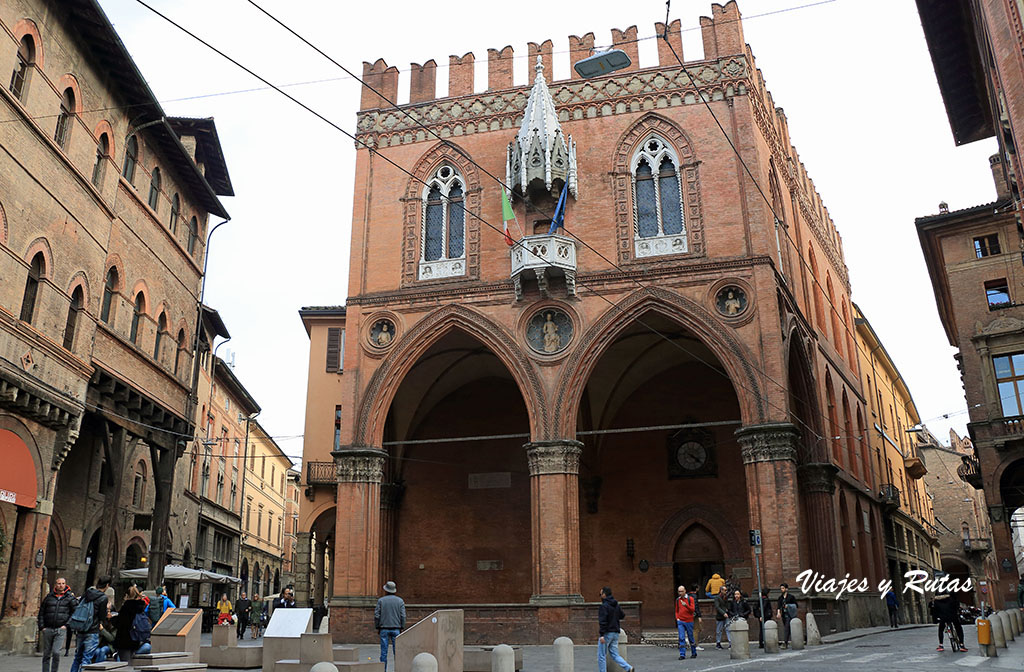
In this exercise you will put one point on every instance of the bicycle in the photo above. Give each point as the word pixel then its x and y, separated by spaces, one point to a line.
pixel 955 643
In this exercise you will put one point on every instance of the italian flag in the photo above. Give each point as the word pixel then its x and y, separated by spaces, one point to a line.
pixel 506 215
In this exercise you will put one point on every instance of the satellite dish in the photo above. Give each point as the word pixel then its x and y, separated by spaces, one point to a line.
pixel 602 63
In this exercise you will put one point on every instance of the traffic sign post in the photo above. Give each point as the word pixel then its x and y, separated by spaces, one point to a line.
pixel 755 541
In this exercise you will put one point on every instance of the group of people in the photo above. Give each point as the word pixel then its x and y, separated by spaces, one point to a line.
pixel 103 633
pixel 730 605
pixel 252 613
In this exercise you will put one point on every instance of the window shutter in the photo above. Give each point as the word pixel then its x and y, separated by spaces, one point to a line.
pixel 333 349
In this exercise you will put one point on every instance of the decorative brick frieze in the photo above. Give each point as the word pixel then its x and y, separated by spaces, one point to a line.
pixel 768 443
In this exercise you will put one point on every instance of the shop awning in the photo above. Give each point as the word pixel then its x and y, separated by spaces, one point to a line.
pixel 18 476
pixel 179 573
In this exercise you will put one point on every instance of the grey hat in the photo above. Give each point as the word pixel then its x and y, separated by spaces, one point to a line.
pixel 390 587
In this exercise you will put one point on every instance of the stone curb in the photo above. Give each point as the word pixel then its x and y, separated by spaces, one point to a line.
pixel 837 637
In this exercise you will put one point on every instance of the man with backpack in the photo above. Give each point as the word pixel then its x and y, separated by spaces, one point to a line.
pixel 85 620
pixel 158 605
pixel 54 614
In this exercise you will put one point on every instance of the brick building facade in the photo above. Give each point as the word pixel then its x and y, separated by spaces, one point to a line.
pixel 104 201
pixel 973 254
pixel 677 370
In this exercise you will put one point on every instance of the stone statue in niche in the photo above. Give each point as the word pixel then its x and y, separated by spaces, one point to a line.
pixel 731 301
pixel 382 333
pixel 549 331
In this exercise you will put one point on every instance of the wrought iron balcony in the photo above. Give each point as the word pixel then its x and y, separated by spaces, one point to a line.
pixel 977 545
pixel 970 471
pixel 321 473
pixel 546 256
pixel 890 495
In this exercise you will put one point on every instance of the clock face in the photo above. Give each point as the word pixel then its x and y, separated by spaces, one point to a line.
pixel 691 455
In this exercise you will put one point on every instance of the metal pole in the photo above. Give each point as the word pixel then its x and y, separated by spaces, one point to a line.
pixel 760 594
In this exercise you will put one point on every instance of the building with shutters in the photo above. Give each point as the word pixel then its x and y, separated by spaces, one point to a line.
pixel 507 429
pixel 264 542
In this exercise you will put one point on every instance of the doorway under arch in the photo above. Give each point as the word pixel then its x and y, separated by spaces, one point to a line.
pixel 698 555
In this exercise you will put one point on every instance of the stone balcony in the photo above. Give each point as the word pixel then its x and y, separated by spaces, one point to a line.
pixel 544 257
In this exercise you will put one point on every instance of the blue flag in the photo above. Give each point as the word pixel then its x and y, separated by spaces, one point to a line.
pixel 559 219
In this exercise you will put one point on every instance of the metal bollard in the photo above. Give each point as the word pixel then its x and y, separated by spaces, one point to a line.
pixel 503 659
pixel 563 655
pixel 739 636
pixel 424 662
pixel 771 637
pixel 796 634
pixel 998 637
pixel 813 634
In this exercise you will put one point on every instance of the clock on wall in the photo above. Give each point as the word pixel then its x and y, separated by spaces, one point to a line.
pixel 691 454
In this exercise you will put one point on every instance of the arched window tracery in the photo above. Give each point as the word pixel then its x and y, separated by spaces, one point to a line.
pixel 657 200
pixel 443 238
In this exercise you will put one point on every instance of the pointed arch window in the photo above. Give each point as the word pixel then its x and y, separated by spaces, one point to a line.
pixel 36 270
pixel 178 351
pixel 154 190
pixel 77 301
pixel 657 200
pixel 137 313
pixel 64 118
pixel 193 235
pixel 109 288
pixel 102 150
pixel 131 159
pixel 161 327
pixel 25 59
pixel 443 246
pixel 175 213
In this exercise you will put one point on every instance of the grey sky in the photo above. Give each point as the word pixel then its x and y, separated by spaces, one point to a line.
pixel 854 77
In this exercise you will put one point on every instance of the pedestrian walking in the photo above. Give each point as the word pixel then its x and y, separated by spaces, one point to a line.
pixel 785 611
pixel 714 584
pixel 722 617
pixel 389 619
pixel 608 616
pixel 256 616
pixel 89 634
pixel 763 611
pixel 893 605
pixel 242 607
pixel 686 611
pixel 54 613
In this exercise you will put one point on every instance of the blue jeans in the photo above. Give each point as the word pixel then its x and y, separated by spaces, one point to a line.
pixel 686 630
pixel 387 637
pixel 611 648
pixel 85 652
pixel 720 627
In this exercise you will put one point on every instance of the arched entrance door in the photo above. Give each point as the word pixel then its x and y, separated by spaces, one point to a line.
pixel 657 418
pixel 456 514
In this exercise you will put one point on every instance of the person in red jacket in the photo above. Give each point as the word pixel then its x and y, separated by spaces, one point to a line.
pixel 686 607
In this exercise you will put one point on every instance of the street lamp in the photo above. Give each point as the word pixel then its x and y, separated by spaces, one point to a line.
pixel 602 63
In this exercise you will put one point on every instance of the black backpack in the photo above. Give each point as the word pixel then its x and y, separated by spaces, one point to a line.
pixel 155 609
pixel 141 628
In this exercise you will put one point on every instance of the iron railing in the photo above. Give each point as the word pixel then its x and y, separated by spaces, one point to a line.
pixel 321 473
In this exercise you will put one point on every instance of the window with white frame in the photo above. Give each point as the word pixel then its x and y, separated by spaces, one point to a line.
pixel 657 200
pixel 443 236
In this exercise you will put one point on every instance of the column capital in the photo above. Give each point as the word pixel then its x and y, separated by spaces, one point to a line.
pixel 561 456
pixel 770 442
pixel 362 464
pixel 818 477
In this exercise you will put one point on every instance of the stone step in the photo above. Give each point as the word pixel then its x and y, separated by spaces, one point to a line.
pixel 359 666
pixel 105 665
pixel 172 667
pixel 346 653
pixel 165 658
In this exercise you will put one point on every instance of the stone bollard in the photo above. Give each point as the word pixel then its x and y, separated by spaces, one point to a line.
pixel 771 637
pixel 424 662
pixel 324 667
pixel 1014 623
pixel 1007 628
pixel 1019 618
pixel 998 637
pixel 813 634
pixel 796 634
pixel 503 659
pixel 739 637
pixel 563 655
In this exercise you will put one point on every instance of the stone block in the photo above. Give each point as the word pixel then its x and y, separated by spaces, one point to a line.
pixel 360 666
pixel 478 658
pixel 813 634
pixel 282 637
pixel 998 637
pixel 315 648
pixel 225 635
pixel 343 653
pixel 178 632
pixel 232 657
pixel 440 634
pixel 105 665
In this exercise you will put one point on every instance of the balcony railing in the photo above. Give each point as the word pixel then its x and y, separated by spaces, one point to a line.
pixel 970 471
pixel 321 473
pixel 547 256
pixel 890 495
pixel 977 545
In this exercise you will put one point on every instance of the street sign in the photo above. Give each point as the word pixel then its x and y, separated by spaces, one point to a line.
pixel 755 537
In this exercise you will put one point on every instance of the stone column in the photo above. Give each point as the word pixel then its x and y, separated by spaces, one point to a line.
pixel 319 556
pixel 769 458
pixel 23 594
pixel 390 499
pixel 301 567
pixel 555 518
pixel 818 485
pixel 356 577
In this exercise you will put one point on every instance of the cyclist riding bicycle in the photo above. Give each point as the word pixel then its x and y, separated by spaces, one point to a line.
pixel 947 611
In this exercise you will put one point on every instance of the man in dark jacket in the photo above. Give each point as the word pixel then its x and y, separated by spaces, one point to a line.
pixel 242 607
pixel 389 619
pixel 785 611
pixel 722 617
pixel 54 613
pixel 285 600
pixel 947 609
pixel 608 616
pixel 89 639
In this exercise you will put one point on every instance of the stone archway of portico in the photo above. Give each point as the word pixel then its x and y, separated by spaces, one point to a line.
pixel 385 381
pixel 730 352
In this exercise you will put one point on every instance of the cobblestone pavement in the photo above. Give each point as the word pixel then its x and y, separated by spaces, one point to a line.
pixel 874 649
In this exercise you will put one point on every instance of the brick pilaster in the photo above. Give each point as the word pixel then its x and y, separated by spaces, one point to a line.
pixel 769 458
pixel 357 530
pixel 817 483
pixel 555 516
